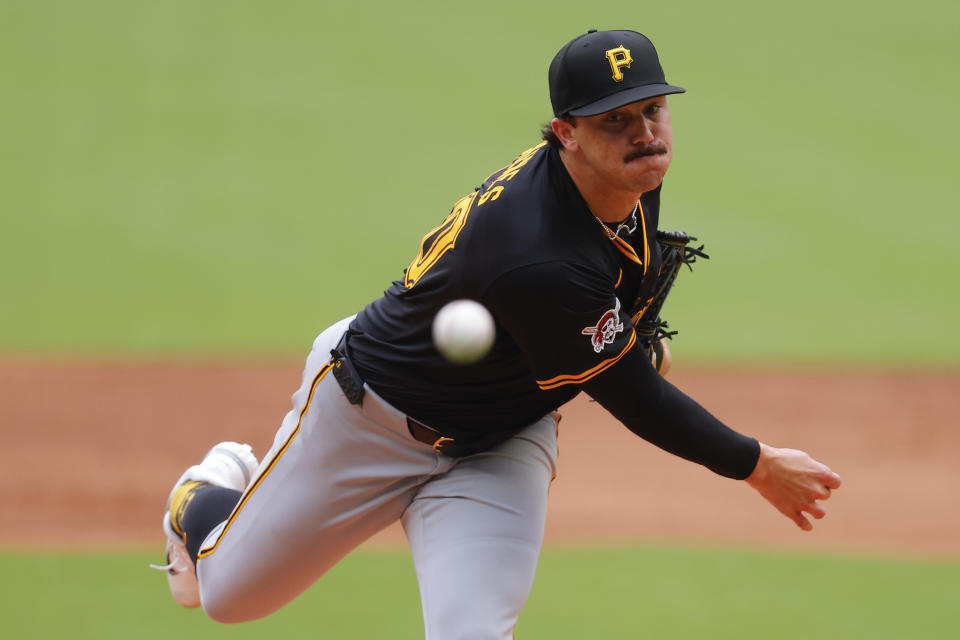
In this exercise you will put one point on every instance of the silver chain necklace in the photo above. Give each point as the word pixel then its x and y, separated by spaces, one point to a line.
pixel 629 224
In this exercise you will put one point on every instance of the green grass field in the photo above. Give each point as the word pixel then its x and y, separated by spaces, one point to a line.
pixel 634 592
pixel 184 179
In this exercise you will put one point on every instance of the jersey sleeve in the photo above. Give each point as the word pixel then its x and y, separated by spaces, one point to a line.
pixel 565 319
pixel 663 415
pixel 569 325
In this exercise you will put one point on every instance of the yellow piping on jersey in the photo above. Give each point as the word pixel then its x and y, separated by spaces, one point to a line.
pixel 646 244
pixel 580 378
pixel 206 551
pixel 619 278
pixel 639 314
pixel 626 248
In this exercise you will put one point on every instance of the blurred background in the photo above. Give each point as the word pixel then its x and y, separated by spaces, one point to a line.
pixel 190 191
pixel 184 178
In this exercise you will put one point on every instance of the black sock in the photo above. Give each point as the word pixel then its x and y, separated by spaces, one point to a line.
pixel 209 506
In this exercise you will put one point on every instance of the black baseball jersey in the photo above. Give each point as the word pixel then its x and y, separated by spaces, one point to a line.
pixel 559 284
pixel 526 245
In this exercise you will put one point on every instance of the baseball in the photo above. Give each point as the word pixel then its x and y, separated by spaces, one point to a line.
pixel 463 331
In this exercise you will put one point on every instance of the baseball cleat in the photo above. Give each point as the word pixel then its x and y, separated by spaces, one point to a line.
pixel 181 572
pixel 228 464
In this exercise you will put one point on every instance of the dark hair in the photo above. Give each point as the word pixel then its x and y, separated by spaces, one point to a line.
pixel 546 132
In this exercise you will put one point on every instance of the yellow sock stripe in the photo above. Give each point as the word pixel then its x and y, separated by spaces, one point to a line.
pixel 579 378
pixel 206 551
pixel 182 497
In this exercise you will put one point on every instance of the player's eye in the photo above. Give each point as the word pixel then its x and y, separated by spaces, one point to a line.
pixel 653 109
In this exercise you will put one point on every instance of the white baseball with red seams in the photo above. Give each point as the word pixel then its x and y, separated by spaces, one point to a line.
pixel 463 331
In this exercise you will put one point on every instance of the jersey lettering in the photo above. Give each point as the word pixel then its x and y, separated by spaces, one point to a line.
pixel 514 167
pixel 438 241
pixel 491 194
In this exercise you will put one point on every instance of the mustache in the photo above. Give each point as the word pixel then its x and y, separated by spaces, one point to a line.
pixel 652 150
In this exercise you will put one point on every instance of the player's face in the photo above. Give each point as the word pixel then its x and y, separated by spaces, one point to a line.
pixel 629 148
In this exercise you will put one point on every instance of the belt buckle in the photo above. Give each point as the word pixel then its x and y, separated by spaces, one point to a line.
pixel 442 443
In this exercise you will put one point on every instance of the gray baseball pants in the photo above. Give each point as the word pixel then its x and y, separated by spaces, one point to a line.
pixel 338 473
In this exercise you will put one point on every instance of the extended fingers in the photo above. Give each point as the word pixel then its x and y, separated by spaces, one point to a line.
pixel 802 522
pixel 794 483
pixel 821 492
pixel 815 510
pixel 810 506
pixel 832 480
pixel 826 481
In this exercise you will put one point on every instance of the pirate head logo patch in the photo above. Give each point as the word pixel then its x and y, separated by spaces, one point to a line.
pixel 606 330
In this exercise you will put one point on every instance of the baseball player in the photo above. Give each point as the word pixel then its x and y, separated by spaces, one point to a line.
pixel 561 247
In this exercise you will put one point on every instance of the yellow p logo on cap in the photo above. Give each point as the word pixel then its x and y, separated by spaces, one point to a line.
pixel 618 57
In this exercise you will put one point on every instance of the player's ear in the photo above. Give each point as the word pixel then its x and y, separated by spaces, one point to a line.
pixel 563 128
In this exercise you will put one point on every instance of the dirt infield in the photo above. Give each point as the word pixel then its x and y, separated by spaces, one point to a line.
pixel 90 450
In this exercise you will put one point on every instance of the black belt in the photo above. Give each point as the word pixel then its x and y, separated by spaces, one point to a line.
pixel 351 384
pixel 430 436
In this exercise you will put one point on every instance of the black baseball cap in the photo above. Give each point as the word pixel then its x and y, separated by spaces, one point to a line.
pixel 604 70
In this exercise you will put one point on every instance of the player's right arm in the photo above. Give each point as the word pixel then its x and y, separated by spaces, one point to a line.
pixel 792 481
pixel 661 414
pixel 548 311
pixel 573 333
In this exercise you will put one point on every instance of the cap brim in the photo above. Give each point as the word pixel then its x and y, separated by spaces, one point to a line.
pixel 626 96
